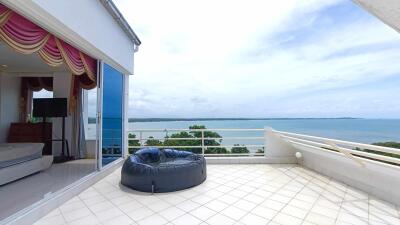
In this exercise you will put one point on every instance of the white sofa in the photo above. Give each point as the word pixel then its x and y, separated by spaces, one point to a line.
pixel 18 160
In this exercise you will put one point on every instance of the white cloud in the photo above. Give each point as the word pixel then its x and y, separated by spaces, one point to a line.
pixel 231 58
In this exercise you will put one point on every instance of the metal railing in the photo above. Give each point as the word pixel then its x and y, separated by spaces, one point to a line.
pixel 358 152
pixel 355 151
pixel 112 143
pixel 143 136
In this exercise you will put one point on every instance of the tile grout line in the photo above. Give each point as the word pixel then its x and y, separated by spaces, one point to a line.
pixel 308 181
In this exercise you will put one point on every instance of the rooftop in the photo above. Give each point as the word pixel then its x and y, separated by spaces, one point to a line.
pixel 232 194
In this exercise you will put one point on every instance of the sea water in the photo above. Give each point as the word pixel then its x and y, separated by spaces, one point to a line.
pixel 357 130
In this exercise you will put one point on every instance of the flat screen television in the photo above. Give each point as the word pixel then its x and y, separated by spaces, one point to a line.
pixel 49 107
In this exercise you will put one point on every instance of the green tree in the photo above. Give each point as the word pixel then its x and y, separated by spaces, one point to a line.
pixel 132 143
pixel 390 144
pixel 153 142
pixel 183 134
pixel 215 141
pixel 239 149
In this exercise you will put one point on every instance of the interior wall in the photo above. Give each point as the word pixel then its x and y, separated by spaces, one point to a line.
pixel 61 89
pixel 9 102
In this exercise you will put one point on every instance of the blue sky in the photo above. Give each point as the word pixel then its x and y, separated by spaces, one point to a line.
pixel 262 58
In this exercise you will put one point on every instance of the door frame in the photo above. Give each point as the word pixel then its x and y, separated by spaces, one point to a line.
pixel 99 123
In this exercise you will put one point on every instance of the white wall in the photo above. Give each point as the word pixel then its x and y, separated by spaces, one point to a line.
pixel 276 149
pixel 10 87
pixel 84 23
pixel 379 180
pixel 61 89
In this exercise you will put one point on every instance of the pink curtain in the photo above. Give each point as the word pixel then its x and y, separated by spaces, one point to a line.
pixel 27 38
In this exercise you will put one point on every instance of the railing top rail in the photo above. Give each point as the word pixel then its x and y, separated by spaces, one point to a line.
pixel 195 146
pixel 201 138
pixel 348 143
pixel 199 130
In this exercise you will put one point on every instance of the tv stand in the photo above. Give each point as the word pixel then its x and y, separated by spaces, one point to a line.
pixel 64 142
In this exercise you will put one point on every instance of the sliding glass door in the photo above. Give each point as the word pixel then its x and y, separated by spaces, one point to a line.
pixel 111 114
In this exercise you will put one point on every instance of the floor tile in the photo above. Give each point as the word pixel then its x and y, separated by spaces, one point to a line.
pixel 350 218
pixel 232 194
pixel 220 219
pixel 273 204
pixel 76 214
pixel 319 219
pixel 228 199
pixel 201 199
pixel 216 205
pixel 265 212
pixel 254 198
pixel 284 219
pixel 88 220
pixel 294 211
pixel 245 205
pixel 158 206
pixel 119 220
pixel 203 213
pixel 153 220
pixel 54 220
pixel 140 214
pixel 187 205
pixel 233 212
pixel 251 219
pixel 186 220
pixel 171 213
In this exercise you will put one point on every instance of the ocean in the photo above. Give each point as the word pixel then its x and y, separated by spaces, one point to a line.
pixel 357 130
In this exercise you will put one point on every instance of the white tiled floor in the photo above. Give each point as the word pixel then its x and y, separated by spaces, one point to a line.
pixel 24 192
pixel 232 194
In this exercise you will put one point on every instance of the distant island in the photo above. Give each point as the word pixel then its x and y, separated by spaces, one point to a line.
pixel 132 120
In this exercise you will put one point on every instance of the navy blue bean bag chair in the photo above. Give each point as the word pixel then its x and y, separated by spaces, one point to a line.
pixel 155 170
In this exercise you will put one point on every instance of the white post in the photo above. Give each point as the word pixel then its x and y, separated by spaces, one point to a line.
pixel 202 142
pixel 140 139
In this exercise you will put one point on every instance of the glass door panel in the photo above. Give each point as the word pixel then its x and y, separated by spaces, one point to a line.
pixel 112 114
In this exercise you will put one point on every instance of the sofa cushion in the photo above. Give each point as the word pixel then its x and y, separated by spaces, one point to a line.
pixel 149 155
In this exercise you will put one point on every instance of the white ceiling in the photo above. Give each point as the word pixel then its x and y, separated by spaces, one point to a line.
pixel 20 63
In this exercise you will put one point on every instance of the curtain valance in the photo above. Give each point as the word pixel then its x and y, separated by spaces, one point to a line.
pixel 37 83
pixel 27 38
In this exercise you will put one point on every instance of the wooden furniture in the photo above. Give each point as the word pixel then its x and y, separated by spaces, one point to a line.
pixel 32 132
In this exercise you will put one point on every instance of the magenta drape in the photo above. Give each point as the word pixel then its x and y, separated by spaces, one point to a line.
pixel 26 37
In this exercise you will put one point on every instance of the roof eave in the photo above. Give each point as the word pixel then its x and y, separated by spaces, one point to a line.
pixel 119 18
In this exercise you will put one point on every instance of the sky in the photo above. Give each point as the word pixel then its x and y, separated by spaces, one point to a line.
pixel 262 58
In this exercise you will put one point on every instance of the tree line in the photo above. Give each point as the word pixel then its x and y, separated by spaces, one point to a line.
pixel 215 141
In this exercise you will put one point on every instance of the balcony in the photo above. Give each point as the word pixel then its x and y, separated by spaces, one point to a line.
pixel 330 182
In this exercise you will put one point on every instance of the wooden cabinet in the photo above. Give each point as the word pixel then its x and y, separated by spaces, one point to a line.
pixel 32 132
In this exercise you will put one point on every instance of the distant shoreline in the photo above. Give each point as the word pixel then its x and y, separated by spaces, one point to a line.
pixel 131 120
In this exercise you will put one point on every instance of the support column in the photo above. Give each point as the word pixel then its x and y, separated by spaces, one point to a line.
pixel 125 117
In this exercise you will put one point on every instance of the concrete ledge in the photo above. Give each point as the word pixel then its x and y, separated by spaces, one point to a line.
pixel 251 160
pixel 36 211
